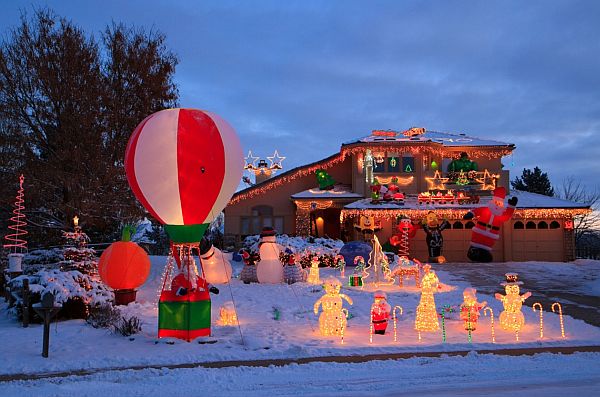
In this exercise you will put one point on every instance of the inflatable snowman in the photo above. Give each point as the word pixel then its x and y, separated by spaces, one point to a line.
pixel 269 270
pixel 217 269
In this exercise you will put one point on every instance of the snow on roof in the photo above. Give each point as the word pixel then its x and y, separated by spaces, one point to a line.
pixel 526 201
pixel 444 138
pixel 534 200
pixel 338 192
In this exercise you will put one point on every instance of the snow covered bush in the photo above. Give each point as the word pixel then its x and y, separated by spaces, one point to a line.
pixel 319 245
pixel 104 316
pixel 128 326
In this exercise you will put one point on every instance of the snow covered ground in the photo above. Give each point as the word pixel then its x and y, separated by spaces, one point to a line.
pixel 543 375
pixel 76 345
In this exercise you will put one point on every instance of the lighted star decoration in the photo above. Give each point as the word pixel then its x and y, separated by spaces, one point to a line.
pixel 276 160
pixel 436 182
pixel 487 180
pixel 250 161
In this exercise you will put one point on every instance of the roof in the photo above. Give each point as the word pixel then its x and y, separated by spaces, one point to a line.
pixel 443 138
pixel 527 200
pixel 338 192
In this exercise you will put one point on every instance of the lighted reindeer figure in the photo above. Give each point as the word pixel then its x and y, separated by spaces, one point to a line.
pixel 332 320
pixel 512 319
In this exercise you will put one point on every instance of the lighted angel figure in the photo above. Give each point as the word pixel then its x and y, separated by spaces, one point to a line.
pixel 512 319
pixel 427 316
pixel 332 320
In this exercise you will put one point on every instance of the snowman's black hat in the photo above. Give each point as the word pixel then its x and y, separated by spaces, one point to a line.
pixel 267 231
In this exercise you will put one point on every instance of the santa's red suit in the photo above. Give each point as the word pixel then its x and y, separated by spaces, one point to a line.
pixel 489 220
pixel 380 313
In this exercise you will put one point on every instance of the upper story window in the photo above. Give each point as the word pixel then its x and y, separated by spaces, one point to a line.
pixel 393 163
pixel 408 164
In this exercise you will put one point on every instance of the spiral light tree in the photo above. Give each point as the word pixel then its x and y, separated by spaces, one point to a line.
pixel 14 241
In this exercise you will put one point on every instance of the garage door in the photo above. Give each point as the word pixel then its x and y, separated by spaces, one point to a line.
pixel 536 240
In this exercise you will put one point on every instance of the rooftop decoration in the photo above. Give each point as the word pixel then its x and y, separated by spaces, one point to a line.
pixel 325 181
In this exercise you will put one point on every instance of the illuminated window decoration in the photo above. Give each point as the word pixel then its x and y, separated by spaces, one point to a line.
pixel 14 240
pixel 377 271
pixel 393 162
pixel 313 275
pixel 379 157
pixel 276 161
pixel 487 180
pixel 512 319
pixel 407 268
pixel 436 182
pixel 369 164
pixel 469 310
pixel 356 278
pixel 445 309
pixel 395 318
pixel 427 318
pixel 490 219
pixel 538 305
pixel 250 161
pixel 560 316
pixel 340 264
pixel 408 164
pixel 332 321
pixel 380 314
pixel 485 310
pixel 569 224
pixel 227 315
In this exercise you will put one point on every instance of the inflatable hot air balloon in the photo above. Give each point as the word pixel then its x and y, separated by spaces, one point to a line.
pixel 184 165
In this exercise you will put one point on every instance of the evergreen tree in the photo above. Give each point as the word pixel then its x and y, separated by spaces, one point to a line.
pixel 534 181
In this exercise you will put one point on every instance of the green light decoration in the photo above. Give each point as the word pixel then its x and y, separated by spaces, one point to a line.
pixel 393 162
pixel 408 168
pixel 434 165
pixel 442 313
pixel 325 181
pixel 469 322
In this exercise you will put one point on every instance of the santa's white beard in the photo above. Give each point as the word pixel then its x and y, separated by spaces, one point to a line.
pixel 497 211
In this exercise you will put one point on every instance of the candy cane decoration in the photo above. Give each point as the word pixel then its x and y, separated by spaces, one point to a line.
pixel 371 328
pixel 539 305
pixel 560 316
pixel 342 328
pixel 470 338
pixel 492 320
pixel 395 322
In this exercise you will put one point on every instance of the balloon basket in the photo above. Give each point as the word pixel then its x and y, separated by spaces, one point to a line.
pixel 124 296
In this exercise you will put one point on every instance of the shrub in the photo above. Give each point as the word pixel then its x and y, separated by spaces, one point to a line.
pixel 104 316
pixel 128 326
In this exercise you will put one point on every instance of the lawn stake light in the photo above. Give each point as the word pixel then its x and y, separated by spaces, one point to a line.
pixel 541 310
pixel 396 322
pixel 485 310
pixel 560 316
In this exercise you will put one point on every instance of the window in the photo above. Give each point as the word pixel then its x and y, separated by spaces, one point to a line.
pixel 458 225
pixel 469 225
pixel 379 162
pixel 518 225
pixel 393 162
pixel 530 225
pixel 408 164
pixel 261 216
pixel 542 225
pixel 554 225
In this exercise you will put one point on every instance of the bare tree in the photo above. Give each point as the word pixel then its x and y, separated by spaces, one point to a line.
pixel 573 190
pixel 68 103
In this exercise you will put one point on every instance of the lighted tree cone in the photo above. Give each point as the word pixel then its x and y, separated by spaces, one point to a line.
pixel 512 319
pixel 332 321
pixel 269 270
pixel 227 315
pixel 124 266
pixel 427 318
pixel 216 268
pixel 183 165
pixel 15 243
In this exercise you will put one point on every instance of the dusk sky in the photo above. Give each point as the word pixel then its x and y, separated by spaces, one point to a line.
pixel 302 77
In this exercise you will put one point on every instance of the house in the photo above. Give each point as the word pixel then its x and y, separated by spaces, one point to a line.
pixel 388 175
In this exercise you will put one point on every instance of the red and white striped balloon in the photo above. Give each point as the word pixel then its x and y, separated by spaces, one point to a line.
pixel 184 165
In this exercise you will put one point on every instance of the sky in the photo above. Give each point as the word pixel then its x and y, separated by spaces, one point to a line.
pixel 304 76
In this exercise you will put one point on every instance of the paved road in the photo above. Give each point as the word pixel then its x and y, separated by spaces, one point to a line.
pixel 549 283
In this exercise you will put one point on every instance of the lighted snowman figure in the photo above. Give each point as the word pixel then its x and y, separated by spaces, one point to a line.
pixel 512 319
pixel 269 270
pixel 332 320
pixel 313 275
pixel 216 268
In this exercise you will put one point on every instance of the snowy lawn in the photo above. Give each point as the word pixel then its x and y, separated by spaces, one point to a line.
pixel 473 375
pixel 76 345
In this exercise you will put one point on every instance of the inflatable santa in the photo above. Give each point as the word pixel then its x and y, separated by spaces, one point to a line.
pixel 487 226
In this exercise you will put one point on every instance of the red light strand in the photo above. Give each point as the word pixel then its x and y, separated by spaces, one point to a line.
pixel 18 221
